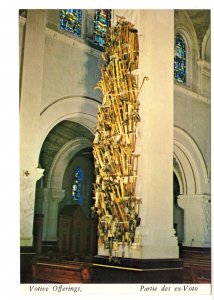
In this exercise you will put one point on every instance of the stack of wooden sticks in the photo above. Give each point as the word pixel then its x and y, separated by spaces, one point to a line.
pixel 116 163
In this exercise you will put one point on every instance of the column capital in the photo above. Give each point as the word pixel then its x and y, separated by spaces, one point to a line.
pixel 188 200
pixel 50 195
pixel 57 194
pixel 196 219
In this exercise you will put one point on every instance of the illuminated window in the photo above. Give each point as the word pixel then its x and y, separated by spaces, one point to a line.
pixel 77 185
pixel 102 20
pixel 71 20
pixel 180 59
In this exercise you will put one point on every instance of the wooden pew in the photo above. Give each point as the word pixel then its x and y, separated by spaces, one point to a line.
pixel 193 267
pixel 197 264
pixel 200 273
pixel 61 272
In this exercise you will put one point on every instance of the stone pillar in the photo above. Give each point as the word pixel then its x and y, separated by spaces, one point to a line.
pixel 44 200
pixel 40 201
pixel 204 77
pixel 197 220
pixel 30 100
pixel 156 170
pixel 54 197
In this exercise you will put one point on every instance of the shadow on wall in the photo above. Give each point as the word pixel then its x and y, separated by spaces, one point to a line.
pixel 92 75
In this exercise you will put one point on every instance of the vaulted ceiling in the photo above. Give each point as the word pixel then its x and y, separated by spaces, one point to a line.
pixel 200 19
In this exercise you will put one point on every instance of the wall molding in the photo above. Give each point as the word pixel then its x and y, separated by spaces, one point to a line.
pixel 73 41
pixel 187 92
pixel 69 40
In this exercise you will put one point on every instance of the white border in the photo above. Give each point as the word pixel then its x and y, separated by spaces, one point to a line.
pixel 9 124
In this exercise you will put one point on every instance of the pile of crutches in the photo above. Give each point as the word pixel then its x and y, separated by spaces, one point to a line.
pixel 116 162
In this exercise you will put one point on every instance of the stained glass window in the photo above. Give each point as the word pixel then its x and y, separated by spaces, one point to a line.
pixel 180 59
pixel 102 20
pixel 77 185
pixel 71 20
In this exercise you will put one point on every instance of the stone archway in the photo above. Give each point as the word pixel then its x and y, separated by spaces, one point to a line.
pixel 55 179
pixel 190 164
pixel 79 110
pixel 191 171
pixel 73 108
pixel 62 159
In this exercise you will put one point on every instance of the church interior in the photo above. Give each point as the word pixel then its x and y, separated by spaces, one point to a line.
pixel 115 146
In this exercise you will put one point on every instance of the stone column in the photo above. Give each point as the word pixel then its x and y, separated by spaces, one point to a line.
pixel 40 201
pixel 204 77
pixel 197 220
pixel 54 197
pixel 156 169
pixel 30 101
pixel 41 207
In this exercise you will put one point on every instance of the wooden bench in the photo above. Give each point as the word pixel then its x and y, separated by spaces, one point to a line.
pixel 61 272
pixel 197 264
pixel 193 268
pixel 200 273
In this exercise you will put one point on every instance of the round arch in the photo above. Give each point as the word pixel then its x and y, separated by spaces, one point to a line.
pixel 206 46
pixel 77 109
pixel 62 159
pixel 190 166
pixel 177 169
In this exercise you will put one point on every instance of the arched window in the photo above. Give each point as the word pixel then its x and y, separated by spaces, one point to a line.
pixel 77 186
pixel 102 20
pixel 180 63
pixel 71 20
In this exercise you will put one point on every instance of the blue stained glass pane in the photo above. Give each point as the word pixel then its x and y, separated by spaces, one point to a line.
pixel 77 186
pixel 102 20
pixel 180 59
pixel 71 20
